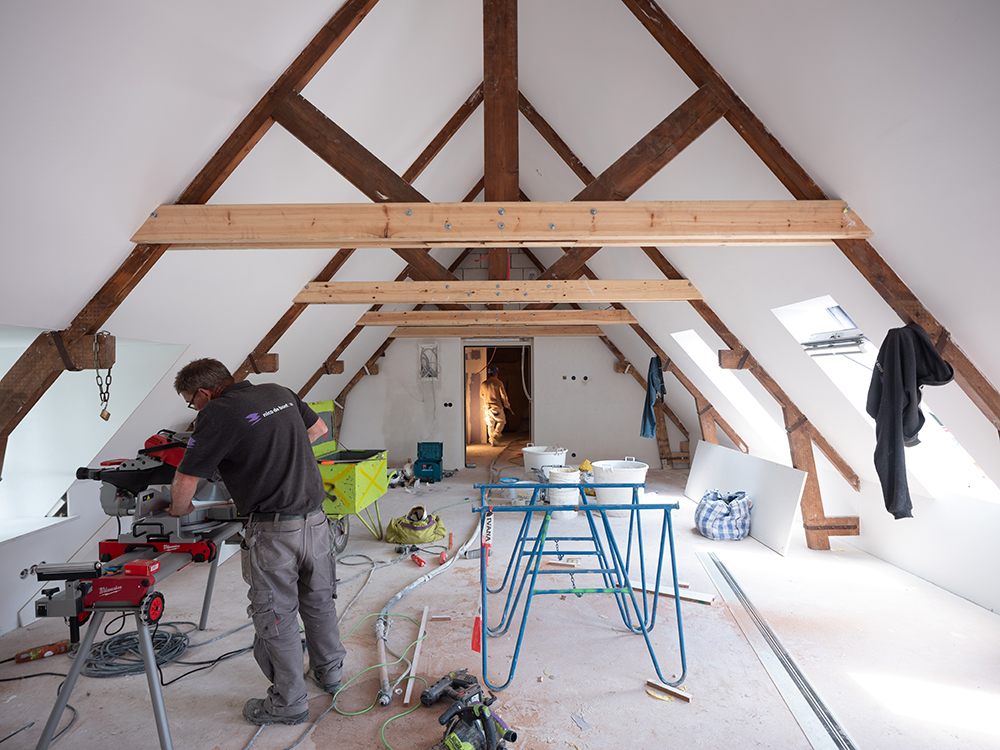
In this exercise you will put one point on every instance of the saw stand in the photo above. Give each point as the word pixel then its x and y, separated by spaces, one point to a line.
pixel 147 612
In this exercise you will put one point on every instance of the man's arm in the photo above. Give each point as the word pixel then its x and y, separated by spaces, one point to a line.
pixel 181 491
pixel 317 431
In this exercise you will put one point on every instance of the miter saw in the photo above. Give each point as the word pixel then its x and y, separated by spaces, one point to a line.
pixel 155 546
pixel 140 489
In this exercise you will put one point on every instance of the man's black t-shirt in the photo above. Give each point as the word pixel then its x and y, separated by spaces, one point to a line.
pixel 255 435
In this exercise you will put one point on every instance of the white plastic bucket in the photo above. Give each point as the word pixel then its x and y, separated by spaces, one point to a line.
pixel 563 495
pixel 546 470
pixel 537 456
pixel 510 493
pixel 628 471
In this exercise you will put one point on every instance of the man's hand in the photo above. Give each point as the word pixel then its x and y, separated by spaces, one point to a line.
pixel 182 489
pixel 317 431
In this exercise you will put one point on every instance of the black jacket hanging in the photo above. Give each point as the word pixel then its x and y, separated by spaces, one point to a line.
pixel 654 388
pixel 906 361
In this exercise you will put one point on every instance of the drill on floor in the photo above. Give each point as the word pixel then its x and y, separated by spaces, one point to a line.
pixel 469 723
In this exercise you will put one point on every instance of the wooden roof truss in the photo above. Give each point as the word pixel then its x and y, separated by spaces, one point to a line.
pixel 41 364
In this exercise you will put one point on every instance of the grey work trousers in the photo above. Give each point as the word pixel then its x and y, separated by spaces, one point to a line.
pixel 291 571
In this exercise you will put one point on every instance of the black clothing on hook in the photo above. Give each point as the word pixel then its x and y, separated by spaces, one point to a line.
pixel 906 361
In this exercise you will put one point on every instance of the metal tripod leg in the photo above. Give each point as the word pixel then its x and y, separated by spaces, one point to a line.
pixel 209 587
pixel 67 688
pixel 153 679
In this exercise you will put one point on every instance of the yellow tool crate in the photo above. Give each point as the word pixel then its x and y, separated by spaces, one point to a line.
pixel 353 480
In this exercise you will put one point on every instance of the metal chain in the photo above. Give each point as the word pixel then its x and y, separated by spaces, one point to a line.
pixel 103 384
pixel 572 578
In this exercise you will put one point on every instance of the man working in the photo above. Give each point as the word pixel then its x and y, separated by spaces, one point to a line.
pixel 258 438
pixel 494 398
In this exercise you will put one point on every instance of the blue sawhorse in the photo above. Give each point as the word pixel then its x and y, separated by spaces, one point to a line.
pixel 529 552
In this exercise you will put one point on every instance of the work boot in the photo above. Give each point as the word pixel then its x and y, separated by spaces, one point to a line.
pixel 256 712
pixel 332 688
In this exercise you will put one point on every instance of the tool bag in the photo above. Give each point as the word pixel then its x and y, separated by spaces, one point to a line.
pixel 416 527
pixel 723 515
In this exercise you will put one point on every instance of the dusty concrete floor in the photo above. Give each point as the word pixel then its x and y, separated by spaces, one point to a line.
pixel 900 663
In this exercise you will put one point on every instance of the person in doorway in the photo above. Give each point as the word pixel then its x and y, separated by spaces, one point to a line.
pixel 258 438
pixel 494 399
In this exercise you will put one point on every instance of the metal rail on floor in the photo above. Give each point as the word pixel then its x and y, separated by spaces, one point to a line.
pixel 521 577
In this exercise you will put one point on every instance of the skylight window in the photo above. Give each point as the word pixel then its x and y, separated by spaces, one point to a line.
pixel 845 354
pixel 734 390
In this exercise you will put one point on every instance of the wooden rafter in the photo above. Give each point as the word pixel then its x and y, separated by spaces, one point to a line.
pixel 359 166
pixel 423 225
pixel 552 138
pixel 709 417
pixel 33 374
pixel 500 142
pixel 332 365
pixel 747 361
pixel 441 139
pixel 793 176
pixel 291 315
pixel 633 169
pixel 483 292
pixel 575 317
pixel 798 428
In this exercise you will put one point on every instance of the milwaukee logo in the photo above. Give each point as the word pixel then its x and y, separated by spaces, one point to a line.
pixel 170 547
pixel 110 590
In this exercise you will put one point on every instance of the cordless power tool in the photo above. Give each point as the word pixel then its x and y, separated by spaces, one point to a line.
pixel 469 722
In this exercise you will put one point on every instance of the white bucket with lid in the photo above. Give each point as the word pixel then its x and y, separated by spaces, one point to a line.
pixel 537 456
pixel 628 471
pixel 564 495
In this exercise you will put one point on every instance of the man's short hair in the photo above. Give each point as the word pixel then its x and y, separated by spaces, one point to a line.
pixel 206 373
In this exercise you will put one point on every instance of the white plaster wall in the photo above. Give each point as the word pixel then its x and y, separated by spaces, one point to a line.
pixel 949 542
pixel 395 410
pixel 64 431
pixel 597 415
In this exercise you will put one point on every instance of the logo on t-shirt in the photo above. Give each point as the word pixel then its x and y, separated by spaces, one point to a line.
pixel 254 418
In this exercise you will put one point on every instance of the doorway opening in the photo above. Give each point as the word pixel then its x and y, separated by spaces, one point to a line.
pixel 513 369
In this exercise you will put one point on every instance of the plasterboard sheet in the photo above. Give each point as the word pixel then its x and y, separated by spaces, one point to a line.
pixel 774 490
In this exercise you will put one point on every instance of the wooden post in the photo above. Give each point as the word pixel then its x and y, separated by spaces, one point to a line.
pixel 813 515
pixel 663 441
pixel 706 419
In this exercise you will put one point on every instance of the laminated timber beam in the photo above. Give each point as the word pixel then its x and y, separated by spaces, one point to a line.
pixel 444 319
pixel 495 332
pixel 484 292
pixel 797 181
pixel 536 224
pixel 32 375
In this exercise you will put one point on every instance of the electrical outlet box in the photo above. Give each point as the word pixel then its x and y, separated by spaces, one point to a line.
pixel 428 364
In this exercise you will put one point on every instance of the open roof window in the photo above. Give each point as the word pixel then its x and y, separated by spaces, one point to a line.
pixel 845 354
pixel 734 390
